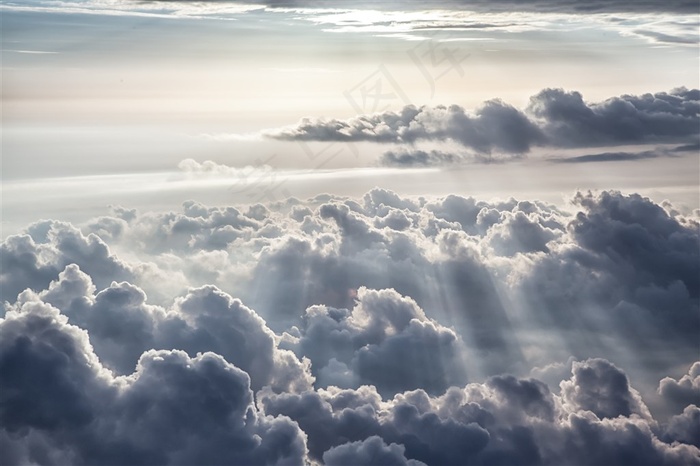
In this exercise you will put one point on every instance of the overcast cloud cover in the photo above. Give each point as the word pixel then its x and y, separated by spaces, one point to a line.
pixel 441 324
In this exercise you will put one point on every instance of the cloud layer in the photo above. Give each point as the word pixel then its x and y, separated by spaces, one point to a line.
pixel 380 330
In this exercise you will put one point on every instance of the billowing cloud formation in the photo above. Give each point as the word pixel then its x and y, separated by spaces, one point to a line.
pixel 59 405
pixel 661 117
pixel 583 390
pixel 34 259
pixel 122 326
pixel 496 273
pixel 505 420
pixel 372 451
pixel 554 117
pixel 684 391
pixel 381 329
pixel 380 342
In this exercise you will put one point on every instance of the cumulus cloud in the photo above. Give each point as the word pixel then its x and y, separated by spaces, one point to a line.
pixel 385 341
pixel 380 329
pixel 61 406
pixel 33 259
pixel 553 118
pixel 616 398
pixel 504 420
pixel 684 391
pixel 660 117
pixel 372 451
pixel 685 427
pixel 122 325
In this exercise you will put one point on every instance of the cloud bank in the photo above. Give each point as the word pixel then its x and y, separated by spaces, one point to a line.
pixel 553 118
pixel 380 330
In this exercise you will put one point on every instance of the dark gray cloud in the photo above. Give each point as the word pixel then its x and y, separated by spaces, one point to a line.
pixel 692 147
pixel 609 157
pixel 685 427
pixel 381 342
pixel 371 452
pixel 600 387
pixel 59 405
pixel 583 7
pixel 505 420
pixel 420 158
pixel 684 391
pixel 494 126
pixel 122 326
pixel 437 158
pixel 554 117
pixel 630 266
pixel 660 117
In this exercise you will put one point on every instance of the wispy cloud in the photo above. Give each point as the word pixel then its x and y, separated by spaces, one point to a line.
pixel 31 52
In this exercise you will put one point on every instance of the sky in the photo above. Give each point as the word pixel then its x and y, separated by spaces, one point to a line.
pixel 341 233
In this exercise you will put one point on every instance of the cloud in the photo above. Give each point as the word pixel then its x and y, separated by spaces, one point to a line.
pixel 382 327
pixel 372 451
pixel 60 405
pixel 419 158
pixel 661 117
pixel 672 23
pixel 553 118
pixel 407 158
pixel 603 389
pixel 587 6
pixel 494 126
pixel 497 273
pixel 192 168
pixel 609 157
pixel 685 427
pixel 503 420
pixel 32 260
pixel 380 342
pixel 122 326
pixel 684 391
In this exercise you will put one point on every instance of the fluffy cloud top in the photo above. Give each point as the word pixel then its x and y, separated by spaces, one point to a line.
pixel 59 405
pixel 381 329
pixel 386 341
